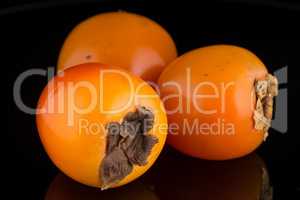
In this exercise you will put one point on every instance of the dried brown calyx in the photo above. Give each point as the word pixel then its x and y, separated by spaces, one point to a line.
pixel 128 144
pixel 265 90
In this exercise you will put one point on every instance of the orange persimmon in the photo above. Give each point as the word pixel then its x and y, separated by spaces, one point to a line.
pixel 218 101
pixel 123 39
pixel 101 126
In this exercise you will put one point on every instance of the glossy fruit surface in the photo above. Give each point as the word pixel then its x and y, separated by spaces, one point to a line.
pixel 123 39
pixel 209 94
pixel 75 112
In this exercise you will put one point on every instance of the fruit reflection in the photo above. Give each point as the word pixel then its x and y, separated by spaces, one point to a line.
pixel 246 178
pixel 64 188
pixel 177 177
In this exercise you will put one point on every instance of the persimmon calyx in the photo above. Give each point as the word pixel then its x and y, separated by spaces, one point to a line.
pixel 265 91
pixel 128 144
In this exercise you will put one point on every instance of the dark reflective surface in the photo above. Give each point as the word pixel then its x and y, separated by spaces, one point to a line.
pixel 177 177
pixel 35 37
pixel 188 178
pixel 63 188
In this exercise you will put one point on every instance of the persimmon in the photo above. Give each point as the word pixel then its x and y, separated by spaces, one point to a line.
pixel 219 99
pixel 101 126
pixel 133 42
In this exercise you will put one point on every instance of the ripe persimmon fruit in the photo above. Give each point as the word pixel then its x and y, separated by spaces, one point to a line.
pixel 101 126
pixel 220 97
pixel 123 39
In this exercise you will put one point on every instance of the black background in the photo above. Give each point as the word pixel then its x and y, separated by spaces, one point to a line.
pixel 34 32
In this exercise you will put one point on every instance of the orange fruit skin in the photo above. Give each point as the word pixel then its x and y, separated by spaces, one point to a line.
pixel 76 141
pixel 127 40
pixel 234 67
